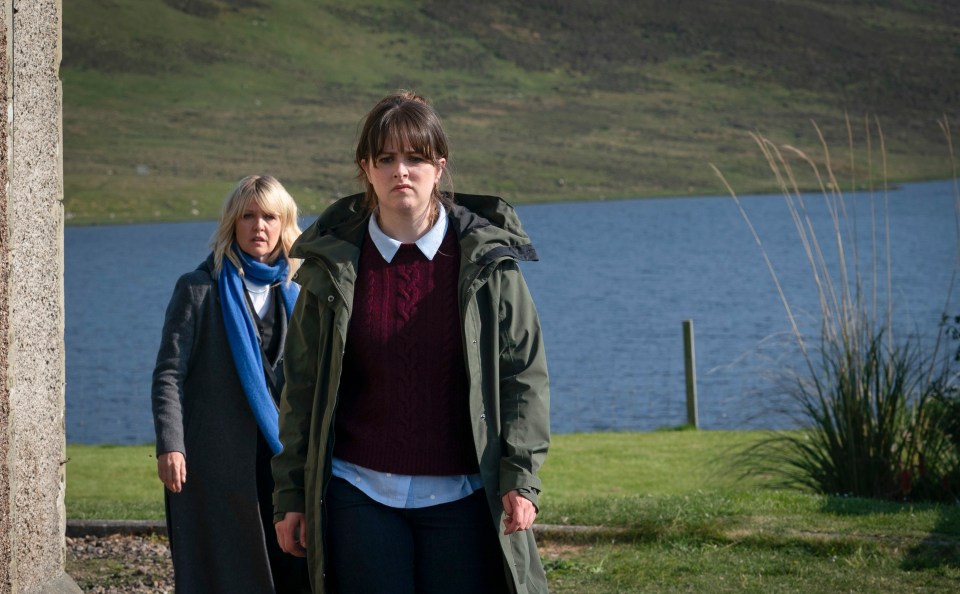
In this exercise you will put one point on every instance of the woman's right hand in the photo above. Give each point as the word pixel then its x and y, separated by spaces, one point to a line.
pixel 292 534
pixel 172 469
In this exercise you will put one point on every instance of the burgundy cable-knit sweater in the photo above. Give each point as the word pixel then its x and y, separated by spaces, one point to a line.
pixel 403 403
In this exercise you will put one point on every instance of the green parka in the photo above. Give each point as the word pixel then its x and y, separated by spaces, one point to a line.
pixel 505 362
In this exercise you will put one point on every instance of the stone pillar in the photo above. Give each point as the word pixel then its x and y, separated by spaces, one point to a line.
pixel 32 441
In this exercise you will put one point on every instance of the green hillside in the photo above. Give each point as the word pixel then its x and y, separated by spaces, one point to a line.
pixel 168 102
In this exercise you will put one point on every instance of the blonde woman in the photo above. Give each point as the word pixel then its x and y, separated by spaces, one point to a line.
pixel 216 385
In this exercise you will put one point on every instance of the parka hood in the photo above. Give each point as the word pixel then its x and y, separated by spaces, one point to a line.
pixel 488 227
pixel 344 220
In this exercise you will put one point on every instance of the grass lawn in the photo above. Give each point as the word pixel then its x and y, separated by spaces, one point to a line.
pixel 667 513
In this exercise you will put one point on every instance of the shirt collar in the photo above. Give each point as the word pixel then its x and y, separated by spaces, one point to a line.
pixel 429 244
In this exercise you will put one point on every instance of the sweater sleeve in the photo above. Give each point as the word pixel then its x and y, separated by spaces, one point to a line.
pixel 180 330
pixel 524 388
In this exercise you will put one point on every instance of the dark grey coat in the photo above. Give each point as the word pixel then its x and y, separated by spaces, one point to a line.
pixel 199 408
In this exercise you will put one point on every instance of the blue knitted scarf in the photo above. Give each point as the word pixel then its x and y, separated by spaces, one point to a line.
pixel 243 337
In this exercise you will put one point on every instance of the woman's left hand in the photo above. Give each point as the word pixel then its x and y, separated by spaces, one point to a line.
pixel 172 470
pixel 519 512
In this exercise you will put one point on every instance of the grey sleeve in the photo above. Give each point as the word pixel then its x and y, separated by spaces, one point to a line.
pixel 180 329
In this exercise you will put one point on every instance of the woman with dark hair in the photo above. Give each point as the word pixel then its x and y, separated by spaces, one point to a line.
pixel 415 414
pixel 215 390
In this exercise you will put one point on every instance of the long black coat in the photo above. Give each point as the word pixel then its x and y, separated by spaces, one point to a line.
pixel 200 409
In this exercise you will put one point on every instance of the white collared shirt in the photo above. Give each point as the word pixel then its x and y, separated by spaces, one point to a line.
pixel 429 244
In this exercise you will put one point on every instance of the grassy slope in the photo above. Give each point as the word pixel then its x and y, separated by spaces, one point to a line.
pixel 167 102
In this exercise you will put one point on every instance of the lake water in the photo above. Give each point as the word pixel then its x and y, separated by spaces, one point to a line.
pixel 614 283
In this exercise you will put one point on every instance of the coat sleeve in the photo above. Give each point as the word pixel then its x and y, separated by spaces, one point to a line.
pixel 177 344
pixel 524 388
pixel 296 406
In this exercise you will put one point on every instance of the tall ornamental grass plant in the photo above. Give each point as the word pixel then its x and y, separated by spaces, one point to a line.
pixel 878 410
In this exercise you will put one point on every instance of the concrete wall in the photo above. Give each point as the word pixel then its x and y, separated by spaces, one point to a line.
pixel 31 302
pixel 6 463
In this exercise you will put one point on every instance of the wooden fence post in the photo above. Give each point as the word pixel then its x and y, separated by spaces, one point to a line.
pixel 690 367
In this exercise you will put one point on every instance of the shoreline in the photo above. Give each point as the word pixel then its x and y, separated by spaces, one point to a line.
pixel 144 219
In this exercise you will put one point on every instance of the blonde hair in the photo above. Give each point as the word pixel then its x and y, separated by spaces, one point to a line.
pixel 267 193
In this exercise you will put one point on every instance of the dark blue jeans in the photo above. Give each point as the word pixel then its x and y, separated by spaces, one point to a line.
pixel 376 549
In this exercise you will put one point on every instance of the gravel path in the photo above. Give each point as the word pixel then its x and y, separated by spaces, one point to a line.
pixel 116 564
pixel 123 563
